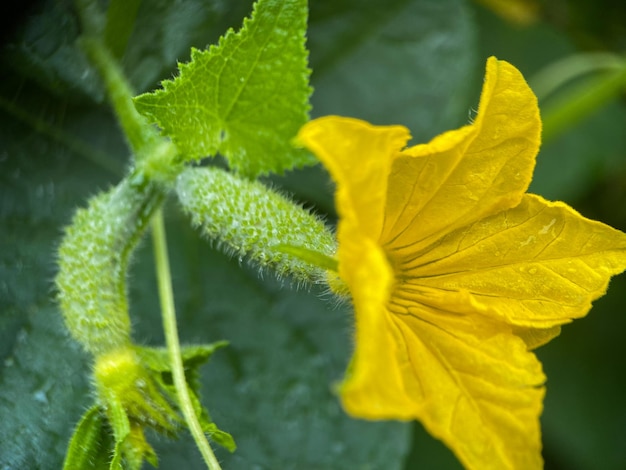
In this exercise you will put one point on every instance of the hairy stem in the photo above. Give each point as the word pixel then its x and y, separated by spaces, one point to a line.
pixel 140 134
pixel 171 338
pixel 582 99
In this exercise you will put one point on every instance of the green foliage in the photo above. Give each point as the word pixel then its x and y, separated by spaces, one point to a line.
pixel 157 361
pixel 92 444
pixel 244 98
pixel 395 62
pixel 409 62
pixel 121 17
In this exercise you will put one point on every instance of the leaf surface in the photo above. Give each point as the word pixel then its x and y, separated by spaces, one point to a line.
pixel 245 97
pixel 91 444
pixel 394 62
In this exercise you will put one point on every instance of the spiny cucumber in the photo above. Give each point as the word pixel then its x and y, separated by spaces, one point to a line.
pixel 93 260
pixel 250 220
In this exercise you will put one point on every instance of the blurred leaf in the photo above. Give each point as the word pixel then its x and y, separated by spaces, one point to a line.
pixel 44 47
pixel 43 390
pixel 585 418
pixel 45 50
pixel 427 453
pixel 399 62
pixel 569 166
pixel 591 24
pixel 92 443
pixel 120 20
pixel 245 98
pixel 43 374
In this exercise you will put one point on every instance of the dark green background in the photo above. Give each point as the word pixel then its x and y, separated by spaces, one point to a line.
pixel 418 63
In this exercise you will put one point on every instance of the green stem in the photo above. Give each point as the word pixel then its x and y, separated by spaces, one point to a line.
pixel 142 137
pixel 554 76
pixel 171 337
pixel 312 257
pixel 582 101
pixel 140 134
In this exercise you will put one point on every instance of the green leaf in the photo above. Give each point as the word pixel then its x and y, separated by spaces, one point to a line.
pixel 91 444
pixel 44 375
pixel 157 359
pixel 158 362
pixel 584 404
pixel 215 434
pixel 246 97
pixel 394 62
pixel 121 15
pixel 44 48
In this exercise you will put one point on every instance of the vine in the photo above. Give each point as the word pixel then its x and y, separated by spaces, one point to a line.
pixel 133 391
pixel 415 226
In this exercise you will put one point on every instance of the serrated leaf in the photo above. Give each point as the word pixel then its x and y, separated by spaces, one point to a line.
pixel 157 359
pixel 164 30
pixel 91 444
pixel 244 98
pixel 220 437
pixel 158 362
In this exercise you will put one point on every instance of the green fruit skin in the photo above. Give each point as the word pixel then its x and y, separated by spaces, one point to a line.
pixel 249 220
pixel 93 260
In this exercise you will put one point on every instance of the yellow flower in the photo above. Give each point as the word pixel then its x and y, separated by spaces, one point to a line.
pixel 456 273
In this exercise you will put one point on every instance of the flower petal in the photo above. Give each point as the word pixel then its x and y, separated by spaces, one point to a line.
pixel 466 174
pixel 471 383
pixel 538 265
pixel 365 269
pixel 358 156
